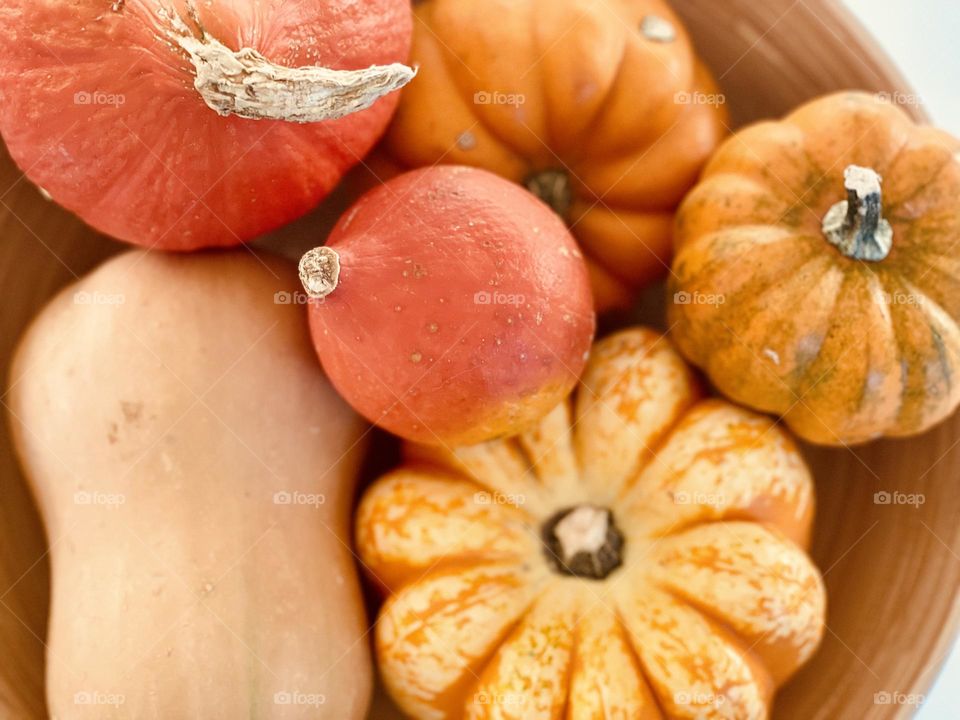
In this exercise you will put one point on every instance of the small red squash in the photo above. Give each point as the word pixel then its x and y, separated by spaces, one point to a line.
pixel 451 306
pixel 142 115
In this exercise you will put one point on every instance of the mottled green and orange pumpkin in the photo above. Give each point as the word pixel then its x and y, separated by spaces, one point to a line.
pixel 817 270
pixel 638 554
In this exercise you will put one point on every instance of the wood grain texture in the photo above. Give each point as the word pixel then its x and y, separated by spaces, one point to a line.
pixel 892 571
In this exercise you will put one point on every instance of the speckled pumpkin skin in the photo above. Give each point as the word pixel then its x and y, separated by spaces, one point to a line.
pixel 519 86
pixel 780 320
pixel 716 603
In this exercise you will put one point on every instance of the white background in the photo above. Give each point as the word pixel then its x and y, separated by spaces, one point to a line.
pixel 923 39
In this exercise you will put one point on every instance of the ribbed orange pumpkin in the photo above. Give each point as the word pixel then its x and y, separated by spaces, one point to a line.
pixel 599 106
pixel 818 271
pixel 638 554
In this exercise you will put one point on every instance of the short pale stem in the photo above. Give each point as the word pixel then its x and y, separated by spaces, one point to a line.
pixel 856 225
pixel 657 29
pixel 246 84
pixel 583 541
pixel 320 272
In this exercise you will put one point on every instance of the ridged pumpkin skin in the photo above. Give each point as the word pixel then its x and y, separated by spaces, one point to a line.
pixel 844 349
pixel 520 86
pixel 714 606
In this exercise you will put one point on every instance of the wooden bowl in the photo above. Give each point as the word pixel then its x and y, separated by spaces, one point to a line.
pixel 892 571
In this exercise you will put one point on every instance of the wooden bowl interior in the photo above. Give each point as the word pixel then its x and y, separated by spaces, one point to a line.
pixel 892 571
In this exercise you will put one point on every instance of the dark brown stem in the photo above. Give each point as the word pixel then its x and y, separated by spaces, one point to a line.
pixel 553 187
pixel 856 225
pixel 583 541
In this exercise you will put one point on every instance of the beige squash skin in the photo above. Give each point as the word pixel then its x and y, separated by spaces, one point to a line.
pixel 196 399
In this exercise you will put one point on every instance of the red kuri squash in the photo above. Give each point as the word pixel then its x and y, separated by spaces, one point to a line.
pixel 140 115
pixel 455 306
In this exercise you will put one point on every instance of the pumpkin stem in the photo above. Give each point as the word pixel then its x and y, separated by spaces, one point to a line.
pixel 856 225
pixel 246 84
pixel 553 188
pixel 320 272
pixel 583 541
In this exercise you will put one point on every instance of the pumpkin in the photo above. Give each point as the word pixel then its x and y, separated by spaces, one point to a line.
pixel 186 124
pixel 450 306
pixel 195 484
pixel 817 273
pixel 637 554
pixel 600 108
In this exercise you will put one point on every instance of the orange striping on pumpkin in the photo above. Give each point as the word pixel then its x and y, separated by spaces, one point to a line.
pixel 625 581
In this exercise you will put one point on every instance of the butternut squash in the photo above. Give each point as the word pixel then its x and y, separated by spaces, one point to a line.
pixel 194 469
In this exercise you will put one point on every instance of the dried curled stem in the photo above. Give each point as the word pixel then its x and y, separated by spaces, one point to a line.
pixel 246 84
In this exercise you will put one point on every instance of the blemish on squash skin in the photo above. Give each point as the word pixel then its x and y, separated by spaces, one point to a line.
pixel 132 411
pixel 808 348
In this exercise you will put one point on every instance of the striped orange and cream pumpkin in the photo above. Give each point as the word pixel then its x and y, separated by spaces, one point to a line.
pixel 638 554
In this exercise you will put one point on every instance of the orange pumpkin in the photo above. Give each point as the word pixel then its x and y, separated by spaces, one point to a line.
pixel 818 271
pixel 638 554
pixel 600 107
